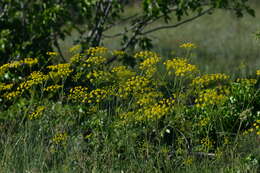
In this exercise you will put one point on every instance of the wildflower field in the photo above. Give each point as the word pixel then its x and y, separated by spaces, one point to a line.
pixel 143 113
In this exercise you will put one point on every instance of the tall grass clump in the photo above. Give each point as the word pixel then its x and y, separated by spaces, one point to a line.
pixel 143 113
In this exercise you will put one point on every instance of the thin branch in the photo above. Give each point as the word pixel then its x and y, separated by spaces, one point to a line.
pixel 100 28
pixel 178 24
pixel 132 27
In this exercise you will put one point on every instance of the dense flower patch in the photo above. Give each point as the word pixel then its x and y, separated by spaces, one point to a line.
pixel 154 99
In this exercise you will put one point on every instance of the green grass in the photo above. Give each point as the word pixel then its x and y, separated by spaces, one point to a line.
pixel 27 149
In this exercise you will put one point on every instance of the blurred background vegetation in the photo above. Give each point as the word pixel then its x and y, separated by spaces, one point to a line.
pixel 224 42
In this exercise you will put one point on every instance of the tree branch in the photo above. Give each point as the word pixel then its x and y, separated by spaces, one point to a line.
pixel 132 27
pixel 177 24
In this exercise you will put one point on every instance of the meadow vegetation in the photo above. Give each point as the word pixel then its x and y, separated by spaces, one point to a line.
pixel 83 90
pixel 156 114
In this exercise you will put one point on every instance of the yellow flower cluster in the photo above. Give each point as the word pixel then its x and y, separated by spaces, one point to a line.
pixel 78 93
pixel 209 97
pixel 4 86
pixel 93 51
pixel 52 88
pixel 122 72
pixel 95 61
pixel 75 48
pixel 149 65
pixel 188 161
pixel 60 138
pixel 157 110
pixel 152 112
pixel 16 64
pixel 96 96
pixel 255 128
pixel 149 62
pixel 37 113
pixel 204 122
pixel 207 143
pixel 207 79
pixel 145 55
pixel 13 64
pixel 118 53
pixel 188 45
pixel 149 98
pixel 246 81
pixel 256 125
pixel 136 84
pixel 60 70
pixel 34 78
pixel 11 95
pixel 180 66
pixel 98 75
pixel 52 53
pixel 77 58
pixel 30 61
pixel 4 68
pixel 258 72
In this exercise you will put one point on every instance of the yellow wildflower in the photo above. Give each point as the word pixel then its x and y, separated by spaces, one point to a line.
pixel 78 93
pixel 207 143
pixel 93 51
pixel 99 76
pixel 77 58
pixel 11 95
pixel 95 61
pixel 52 88
pixel 60 138
pixel 205 80
pixel 4 86
pixel 75 48
pixel 246 81
pixel 149 98
pixel 30 61
pixel 118 53
pixel 34 78
pixel 145 55
pixel 52 53
pixel 96 96
pixel 204 122
pixel 122 72
pixel 210 97
pixel 157 110
pixel 149 65
pixel 60 71
pixel 38 112
pixel 180 67
pixel 134 85
pixel 258 72
pixel 188 45
pixel 188 161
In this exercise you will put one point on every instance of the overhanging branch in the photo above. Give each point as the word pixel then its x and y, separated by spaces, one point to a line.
pixel 177 24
